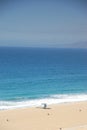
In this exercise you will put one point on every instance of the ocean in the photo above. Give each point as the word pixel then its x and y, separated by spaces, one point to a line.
pixel 31 76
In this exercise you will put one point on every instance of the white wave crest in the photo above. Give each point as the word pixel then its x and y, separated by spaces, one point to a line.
pixel 53 99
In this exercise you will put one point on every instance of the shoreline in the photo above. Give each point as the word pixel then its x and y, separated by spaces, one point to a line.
pixel 65 116
pixel 40 106
pixel 51 100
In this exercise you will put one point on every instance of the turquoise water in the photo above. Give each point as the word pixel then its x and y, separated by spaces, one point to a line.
pixel 31 76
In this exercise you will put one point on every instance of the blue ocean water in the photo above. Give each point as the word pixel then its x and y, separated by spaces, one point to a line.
pixel 31 76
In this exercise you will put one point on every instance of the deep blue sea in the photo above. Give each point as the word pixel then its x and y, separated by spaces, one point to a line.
pixel 31 76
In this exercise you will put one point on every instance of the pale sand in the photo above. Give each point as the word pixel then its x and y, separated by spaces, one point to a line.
pixel 70 116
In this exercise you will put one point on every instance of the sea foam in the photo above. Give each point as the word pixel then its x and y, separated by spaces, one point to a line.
pixel 52 99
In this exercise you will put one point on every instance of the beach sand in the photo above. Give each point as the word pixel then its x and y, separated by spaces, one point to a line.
pixel 68 116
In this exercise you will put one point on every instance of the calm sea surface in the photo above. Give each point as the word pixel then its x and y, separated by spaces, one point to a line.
pixel 31 76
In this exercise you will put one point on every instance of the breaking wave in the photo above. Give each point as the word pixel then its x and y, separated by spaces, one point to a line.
pixel 52 99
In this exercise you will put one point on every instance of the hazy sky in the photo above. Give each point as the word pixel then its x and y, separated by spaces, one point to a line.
pixel 43 23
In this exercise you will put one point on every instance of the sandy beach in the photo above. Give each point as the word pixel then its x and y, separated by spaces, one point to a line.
pixel 69 116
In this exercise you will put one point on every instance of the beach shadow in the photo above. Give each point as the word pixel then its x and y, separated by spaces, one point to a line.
pixel 44 108
pixel 47 108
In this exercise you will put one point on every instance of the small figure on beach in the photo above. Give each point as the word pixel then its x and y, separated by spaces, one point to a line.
pixel 44 105
pixel 7 120
pixel 80 110
pixel 48 114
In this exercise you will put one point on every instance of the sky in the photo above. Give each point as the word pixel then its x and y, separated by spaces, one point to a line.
pixel 43 23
